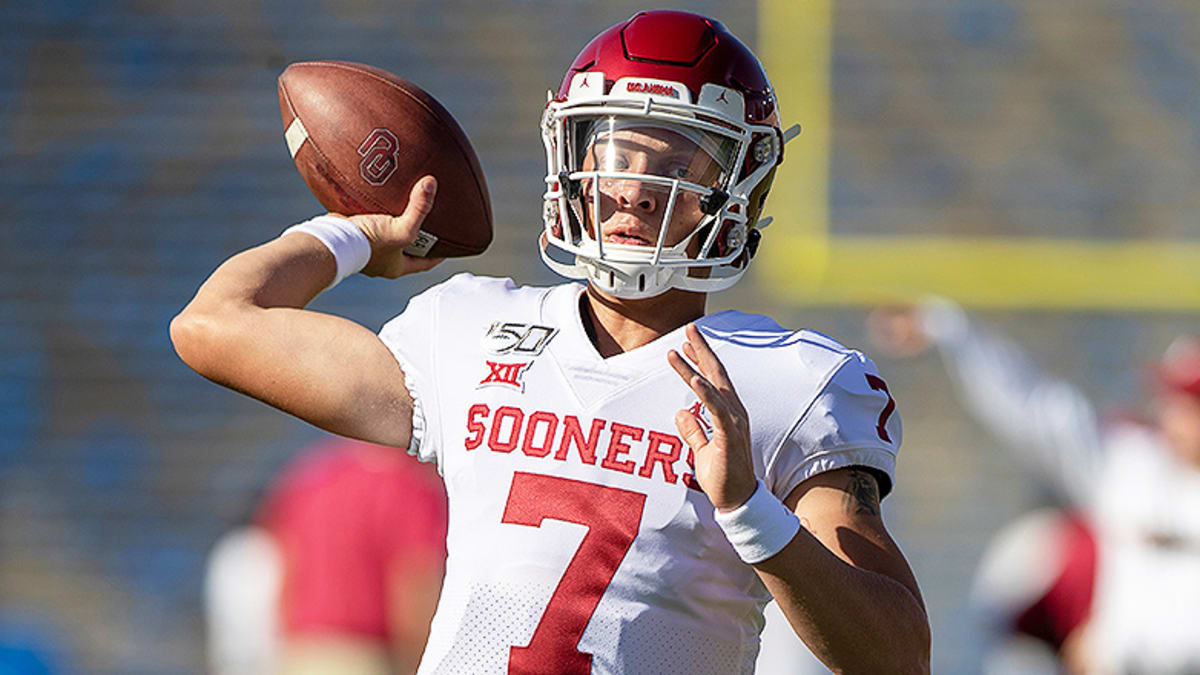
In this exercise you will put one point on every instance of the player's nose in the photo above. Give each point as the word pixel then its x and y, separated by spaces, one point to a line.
pixel 634 194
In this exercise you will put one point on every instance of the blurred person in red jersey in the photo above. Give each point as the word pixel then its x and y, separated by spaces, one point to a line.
pixel 339 571
pixel 1137 486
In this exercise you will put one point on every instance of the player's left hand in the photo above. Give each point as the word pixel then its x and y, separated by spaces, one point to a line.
pixel 724 467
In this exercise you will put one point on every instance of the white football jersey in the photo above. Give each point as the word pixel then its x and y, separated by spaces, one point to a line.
pixel 1146 511
pixel 579 540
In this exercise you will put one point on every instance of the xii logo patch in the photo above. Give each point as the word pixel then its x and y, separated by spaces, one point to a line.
pixel 505 375
pixel 513 339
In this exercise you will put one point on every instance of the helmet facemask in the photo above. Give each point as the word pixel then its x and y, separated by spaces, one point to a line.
pixel 648 193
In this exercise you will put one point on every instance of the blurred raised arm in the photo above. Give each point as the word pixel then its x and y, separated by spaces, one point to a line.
pixel 1048 422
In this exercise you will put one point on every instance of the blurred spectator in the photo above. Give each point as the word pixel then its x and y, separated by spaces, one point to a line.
pixel 338 572
pixel 1138 484
pixel 1033 591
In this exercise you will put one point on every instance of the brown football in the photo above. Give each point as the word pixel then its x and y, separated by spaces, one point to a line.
pixel 361 137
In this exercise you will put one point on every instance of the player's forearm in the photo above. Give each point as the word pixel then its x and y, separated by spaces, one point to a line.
pixel 225 317
pixel 854 620
pixel 246 330
pixel 286 272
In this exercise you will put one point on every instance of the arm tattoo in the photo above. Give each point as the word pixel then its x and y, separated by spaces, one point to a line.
pixel 862 494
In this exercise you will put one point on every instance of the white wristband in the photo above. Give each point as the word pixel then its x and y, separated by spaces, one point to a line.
pixel 760 528
pixel 349 246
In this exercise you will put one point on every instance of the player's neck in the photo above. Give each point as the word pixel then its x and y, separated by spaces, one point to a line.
pixel 615 325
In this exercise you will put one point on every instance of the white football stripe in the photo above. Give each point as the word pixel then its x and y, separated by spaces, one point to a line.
pixel 420 247
pixel 296 134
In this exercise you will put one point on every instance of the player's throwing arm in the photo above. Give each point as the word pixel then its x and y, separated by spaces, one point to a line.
pixel 247 328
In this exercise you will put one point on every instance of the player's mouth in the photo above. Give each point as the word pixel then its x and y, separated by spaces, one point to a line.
pixel 627 235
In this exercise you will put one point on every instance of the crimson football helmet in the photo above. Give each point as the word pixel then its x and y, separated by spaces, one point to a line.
pixel 661 144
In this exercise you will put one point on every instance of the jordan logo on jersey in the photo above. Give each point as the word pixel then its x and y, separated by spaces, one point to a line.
pixel 701 414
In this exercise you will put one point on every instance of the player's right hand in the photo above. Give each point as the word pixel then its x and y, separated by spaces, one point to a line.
pixel 724 467
pixel 390 234
pixel 897 332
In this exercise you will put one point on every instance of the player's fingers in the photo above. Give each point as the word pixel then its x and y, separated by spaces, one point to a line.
pixel 690 352
pixel 420 203
pixel 681 367
pixel 416 264
pixel 703 355
pixel 696 381
pixel 690 430
pixel 709 395
pixel 400 265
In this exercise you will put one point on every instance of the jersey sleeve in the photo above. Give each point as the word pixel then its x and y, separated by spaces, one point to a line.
pixel 411 338
pixel 851 421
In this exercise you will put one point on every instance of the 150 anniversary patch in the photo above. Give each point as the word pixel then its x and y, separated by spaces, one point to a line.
pixel 517 338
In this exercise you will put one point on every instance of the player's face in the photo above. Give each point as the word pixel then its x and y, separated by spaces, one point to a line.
pixel 1179 416
pixel 631 211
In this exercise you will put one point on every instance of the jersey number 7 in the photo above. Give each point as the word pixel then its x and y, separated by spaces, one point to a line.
pixel 612 516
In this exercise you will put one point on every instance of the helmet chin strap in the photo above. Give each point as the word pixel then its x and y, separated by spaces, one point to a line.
pixel 628 281
pixel 632 281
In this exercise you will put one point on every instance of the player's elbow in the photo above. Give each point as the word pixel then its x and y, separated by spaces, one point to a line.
pixel 920 665
pixel 906 653
pixel 200 339
pixel 903 663
pixel 917 656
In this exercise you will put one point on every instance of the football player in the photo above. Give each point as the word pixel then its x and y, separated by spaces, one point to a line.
pixel 630 479
pixel 1136 485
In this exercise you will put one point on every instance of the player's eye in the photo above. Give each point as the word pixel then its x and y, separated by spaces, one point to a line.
pixel 606 157
pixel 679 172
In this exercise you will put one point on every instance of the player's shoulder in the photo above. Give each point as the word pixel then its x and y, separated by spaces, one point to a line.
pixel 467 285
pixel 754 336
pixel 467 294
pixel 822 404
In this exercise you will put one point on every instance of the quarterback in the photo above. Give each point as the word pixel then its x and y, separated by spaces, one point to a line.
pixel 630 479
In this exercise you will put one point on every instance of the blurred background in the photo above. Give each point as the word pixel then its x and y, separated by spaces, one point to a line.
pixel 1036 161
